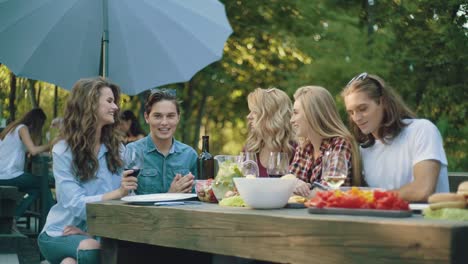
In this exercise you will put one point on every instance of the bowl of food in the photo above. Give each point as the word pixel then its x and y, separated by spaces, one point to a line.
pixel 265 193
pixel 205 191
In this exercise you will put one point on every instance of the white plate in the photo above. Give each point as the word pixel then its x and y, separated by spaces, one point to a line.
pixel 158 197
pixel 418 206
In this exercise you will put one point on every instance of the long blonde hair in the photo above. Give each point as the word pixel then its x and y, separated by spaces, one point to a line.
pixel 272 128
pixel 322 116
pixel 80 126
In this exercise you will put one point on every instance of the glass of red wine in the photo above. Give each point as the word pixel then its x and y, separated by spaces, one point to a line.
pixel 133 160
pixel 278 164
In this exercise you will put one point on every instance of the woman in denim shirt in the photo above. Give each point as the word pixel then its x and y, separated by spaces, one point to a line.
pixel 87 168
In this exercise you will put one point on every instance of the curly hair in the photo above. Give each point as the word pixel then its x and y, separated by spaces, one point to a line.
pixel 34 120
pixel 322 116
pixel 80 125
pixel 272 128
pixel 395 109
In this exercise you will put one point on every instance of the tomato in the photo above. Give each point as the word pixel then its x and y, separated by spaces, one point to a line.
pixel 356 198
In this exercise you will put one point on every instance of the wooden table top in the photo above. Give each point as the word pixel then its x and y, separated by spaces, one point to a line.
pixel 284 235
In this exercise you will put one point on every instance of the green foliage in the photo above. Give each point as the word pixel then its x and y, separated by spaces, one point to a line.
pixel 419 47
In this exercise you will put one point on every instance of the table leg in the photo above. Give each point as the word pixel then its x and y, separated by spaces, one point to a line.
pixel 109 250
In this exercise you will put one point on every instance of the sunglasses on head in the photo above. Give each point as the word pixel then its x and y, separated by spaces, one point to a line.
pixel 364 76
pixel 359 77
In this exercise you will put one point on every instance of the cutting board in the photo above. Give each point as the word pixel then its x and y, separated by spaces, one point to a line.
pixel 362 212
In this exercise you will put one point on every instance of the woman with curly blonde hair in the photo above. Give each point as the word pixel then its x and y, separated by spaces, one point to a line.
pixel 323 136
pixel 87 168
pixel 269 127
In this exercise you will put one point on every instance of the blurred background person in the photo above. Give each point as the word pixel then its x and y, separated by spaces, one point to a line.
pixel 323 136
pixel 268 125
pixel 130 127
pixel 16 140
pixel 399 151
pixel 168 164
pixel 87 168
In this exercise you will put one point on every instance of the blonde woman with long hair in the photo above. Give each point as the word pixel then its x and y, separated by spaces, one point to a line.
pixel 87 168
pixel 323 135
pixel 268 123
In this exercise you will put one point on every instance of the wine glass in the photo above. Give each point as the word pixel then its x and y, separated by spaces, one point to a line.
pixel 133 160
pixel 249 163
pixel 278 164
pixel 334 168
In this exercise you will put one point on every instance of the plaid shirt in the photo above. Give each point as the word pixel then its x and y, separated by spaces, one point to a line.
pixel 309 169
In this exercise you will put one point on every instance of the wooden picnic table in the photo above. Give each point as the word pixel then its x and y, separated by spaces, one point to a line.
pixel 285 235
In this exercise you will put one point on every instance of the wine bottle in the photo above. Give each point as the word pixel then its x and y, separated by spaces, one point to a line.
pixel 205 161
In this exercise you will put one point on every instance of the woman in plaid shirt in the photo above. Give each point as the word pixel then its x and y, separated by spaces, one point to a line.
pixel 321 132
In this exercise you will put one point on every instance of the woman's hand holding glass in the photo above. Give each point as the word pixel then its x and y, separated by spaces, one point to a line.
pixel 133 162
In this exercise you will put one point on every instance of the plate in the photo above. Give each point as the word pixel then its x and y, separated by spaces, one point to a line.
pixel 418 206
pixel 158 197
pixel 362 212
pixel 295 205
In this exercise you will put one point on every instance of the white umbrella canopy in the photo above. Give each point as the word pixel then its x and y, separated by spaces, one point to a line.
pixel 144 43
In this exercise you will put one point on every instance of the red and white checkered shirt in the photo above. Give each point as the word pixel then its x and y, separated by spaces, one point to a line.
pixel 309 169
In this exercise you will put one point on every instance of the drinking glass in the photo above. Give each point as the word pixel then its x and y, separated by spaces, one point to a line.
pixel 278 164
pixel 334 168
pixel 133 160
pixel 249 163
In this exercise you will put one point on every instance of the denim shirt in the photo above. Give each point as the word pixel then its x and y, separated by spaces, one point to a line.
pixel 158 170
pixel 72 194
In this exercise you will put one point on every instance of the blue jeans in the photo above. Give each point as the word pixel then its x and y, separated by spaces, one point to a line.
pixel 29 184
pixel 55 249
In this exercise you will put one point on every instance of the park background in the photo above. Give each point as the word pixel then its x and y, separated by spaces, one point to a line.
pixel 420 47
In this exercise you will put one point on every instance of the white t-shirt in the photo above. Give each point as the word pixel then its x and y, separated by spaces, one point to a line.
pixel 12 155
pixel 390 166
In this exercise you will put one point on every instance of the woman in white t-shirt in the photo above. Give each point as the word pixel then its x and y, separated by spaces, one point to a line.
pixel 399 151
pixel 18 138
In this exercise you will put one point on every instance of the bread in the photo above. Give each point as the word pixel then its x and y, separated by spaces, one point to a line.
pixel 453 204
pixel 297 199
pixel 463 189
pixel 446 200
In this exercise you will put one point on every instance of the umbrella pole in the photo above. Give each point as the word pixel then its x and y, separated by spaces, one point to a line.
pixel 105 40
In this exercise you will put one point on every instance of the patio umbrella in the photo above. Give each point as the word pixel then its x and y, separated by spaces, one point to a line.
pixel 139 44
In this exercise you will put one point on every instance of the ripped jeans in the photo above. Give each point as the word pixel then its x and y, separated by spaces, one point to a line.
pixel 55 249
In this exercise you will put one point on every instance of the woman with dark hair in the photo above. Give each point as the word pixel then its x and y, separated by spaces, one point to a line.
pixel 87 168
pixel 18 138
pixel 399 151
pixel 130 126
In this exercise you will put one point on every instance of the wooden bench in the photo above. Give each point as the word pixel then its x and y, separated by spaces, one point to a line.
pixel 455 178
pixel 10 240
pixel 9 196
